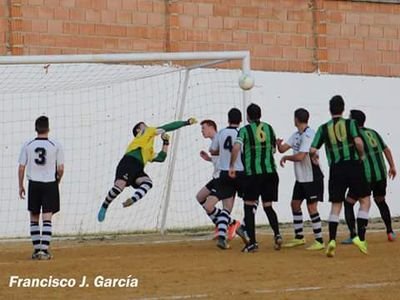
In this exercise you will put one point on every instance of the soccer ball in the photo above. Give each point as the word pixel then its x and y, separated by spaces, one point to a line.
pixel 246 82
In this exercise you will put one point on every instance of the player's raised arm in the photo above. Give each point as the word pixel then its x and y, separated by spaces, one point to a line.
pixel 162 155
pixel 175 125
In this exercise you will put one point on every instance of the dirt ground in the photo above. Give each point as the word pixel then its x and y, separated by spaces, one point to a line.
pixel 183 267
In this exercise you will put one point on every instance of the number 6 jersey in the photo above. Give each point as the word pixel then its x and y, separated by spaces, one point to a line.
pixel 41 157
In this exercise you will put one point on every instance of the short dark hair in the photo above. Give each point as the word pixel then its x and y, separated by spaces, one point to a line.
pixel 42 125
pixel 210 123
pixel 302 115
pixel 254 112
pixel 234 116
pixel 358 116
pixel 336 105
pixel 135 129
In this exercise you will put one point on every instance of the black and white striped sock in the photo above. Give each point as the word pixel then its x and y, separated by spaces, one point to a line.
pixel 223 220
pixel 214 214
pixel 142 190
pixel 35 235
pixel 112 194
pixel 317 228
pixel 46 235
pixel 298 225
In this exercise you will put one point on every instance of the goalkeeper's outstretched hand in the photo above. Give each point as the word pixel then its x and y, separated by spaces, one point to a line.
pixel 191 121
pixel 165 138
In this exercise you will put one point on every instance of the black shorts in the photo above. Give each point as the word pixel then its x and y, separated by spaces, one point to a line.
pixel 377 188
pixel 129 169
pixel 44 197
pixel 311 191
pixel 211 185
pixel 264 185
pixel 348 175
pixel 226 187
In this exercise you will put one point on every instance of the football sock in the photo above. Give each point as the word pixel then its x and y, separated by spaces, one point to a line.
pixel 350 218
pixel 35 235
pixel 272 219
pixel 385 214
pixel 223 221
pixel 250 222
pixel 46 235
pixel 317 228
pixel 333 224
pixel 362 222
pixel 298 225
pixel 112 194
pixel 142 190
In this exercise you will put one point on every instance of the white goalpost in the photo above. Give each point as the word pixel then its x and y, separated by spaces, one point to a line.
pixel 93 101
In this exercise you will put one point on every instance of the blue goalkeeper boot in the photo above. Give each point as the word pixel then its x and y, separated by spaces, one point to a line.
pixel 102 214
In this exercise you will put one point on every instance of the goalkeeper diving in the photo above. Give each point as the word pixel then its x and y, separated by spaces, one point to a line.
pixel 130 169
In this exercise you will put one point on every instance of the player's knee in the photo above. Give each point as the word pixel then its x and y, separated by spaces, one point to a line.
pixel 296 206
pixel 312 208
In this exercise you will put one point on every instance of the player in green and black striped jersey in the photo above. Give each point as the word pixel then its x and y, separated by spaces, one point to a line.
pixel 259 145
pixel 344 149
pixel 376 174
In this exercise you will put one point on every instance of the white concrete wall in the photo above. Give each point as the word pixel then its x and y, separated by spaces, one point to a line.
pixel 93 108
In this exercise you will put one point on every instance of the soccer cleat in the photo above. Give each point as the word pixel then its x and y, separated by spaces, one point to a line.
pixel 330 251
pixel 391 236
pixel 241 231
pixel 316 246
pixel 128 202
pixel 232 229
pixel 347 241
pixel 278 242
pixel 36 254
pixel 294 243
pixel 216 235
pixel 251 248
pixel 362 245
pixel 102 214
pixel 223 243
pixel 45 255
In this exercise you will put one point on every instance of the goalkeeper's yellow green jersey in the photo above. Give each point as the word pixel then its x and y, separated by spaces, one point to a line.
pixel 143 142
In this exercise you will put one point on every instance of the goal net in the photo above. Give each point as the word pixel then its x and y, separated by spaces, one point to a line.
pixel 93 101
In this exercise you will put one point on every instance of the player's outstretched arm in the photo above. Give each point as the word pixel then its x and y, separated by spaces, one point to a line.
pixel 162 155
pixel 282 146
pixel 176 125
pixel 295 157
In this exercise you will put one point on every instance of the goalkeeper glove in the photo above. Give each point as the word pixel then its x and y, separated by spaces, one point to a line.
pixel 165 137
pixel 191 121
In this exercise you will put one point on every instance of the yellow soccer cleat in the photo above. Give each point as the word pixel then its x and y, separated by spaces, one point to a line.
pixel 362 245
pixel 330 251
pixel 294 243
pixel 316 246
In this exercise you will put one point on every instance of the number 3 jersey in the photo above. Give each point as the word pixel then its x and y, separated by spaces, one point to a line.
pixel 224 143
pixel 41 157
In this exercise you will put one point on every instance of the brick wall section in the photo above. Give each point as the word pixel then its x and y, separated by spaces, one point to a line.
pixel 332 36
pixel 278 33
pixel 93 26
pixel 362 38
pixel 3 26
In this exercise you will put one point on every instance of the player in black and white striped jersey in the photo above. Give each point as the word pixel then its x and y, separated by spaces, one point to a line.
pixel 209 131
pixel 43 160
pixel 227 187
pixel 309 183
